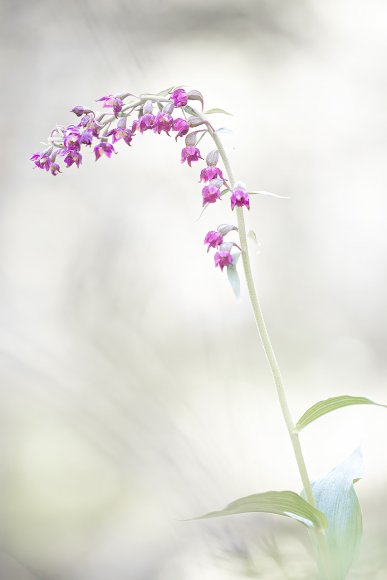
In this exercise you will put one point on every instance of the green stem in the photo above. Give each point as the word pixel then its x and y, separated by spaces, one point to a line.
pixel 263 333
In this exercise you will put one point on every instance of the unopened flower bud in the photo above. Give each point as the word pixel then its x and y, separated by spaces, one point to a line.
pixel 212 158
pixel 147 108
pixel 217 182
pixel 191 139
pixel 225 229
pixel 194 121
pixel 78 110
pixel 168 108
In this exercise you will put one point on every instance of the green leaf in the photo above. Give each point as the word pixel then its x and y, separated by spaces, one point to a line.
pixel 283 503
pixel 328 405
pixel 252 236
pixel 335 496
pixel 166 91
pixel 269 194
pixel 190 110
pixel 210 111
pixel 233 276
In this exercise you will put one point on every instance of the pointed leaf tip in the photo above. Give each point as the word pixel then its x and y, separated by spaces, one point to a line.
pixel 284 503
pixel 328 405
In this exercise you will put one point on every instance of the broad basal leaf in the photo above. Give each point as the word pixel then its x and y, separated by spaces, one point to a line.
pixel 283 503
pixel 335 496
pixel 328 405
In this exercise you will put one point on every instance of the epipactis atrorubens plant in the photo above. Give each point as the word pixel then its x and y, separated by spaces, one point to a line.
pixel 328 507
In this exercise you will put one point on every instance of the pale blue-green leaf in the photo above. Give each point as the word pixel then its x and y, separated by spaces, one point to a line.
pixel 335 496
pixel 283 503
pixel 328 405
pixel 269 194
pixel 167 91
pixel 190 111
pixel 216 110
pixel 252 236
pixel 233 276
pixel 223 130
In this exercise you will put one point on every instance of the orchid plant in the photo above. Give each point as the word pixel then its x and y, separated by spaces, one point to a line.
pixel 329 507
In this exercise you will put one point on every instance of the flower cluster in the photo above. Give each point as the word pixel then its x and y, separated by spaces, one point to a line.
pixel 129 115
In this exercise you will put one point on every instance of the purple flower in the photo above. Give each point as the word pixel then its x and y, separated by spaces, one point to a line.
pixel 145 122
pixel 209 173
pixel 181 126
pixel 213 239
pixel 223 258
pixel 78 110
pixel 121 133
pixel 103 148
pixel 54 168
pixel 240 198
pixel 72 137
pixel 86 137
pixel 190 154
pixel 162 122
pixel 72 156
pixel 42 160
pixel 94 127
pixel 179 98
pixel 210 194
pixel 110 101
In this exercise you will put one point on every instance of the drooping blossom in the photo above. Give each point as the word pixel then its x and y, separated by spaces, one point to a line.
pixel 72 136
pixel 209 173
pixel 181 126
pixel 115 103
pixel 71 156
pixel 162 122
pixel 103 148
pixel 42 160
pixel 86 137
pixel 240 198
pixel 213 239
pixel 54 168
pixel 145 122
pixel 210 194
pixel 179 98
pixel 223 258
pixel 190 154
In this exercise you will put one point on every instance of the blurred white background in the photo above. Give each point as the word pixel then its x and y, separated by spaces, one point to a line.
pixel 134 392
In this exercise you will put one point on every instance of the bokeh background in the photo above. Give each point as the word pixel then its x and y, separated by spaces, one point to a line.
pixel 134 392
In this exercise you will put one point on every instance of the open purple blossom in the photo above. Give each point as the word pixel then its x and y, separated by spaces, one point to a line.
pixel 162 122
pixel 145 122
pixel 42 160
pixel 179 98
pixel 209 173
pixel 190 154
pixel 181 126
pixel 110 101
pixel 223 258
pixel 240 198
pixel 103 148
pixel 71 156
pixel 86 138
pixel 125 134
pixel 213 239
pixel 210 194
